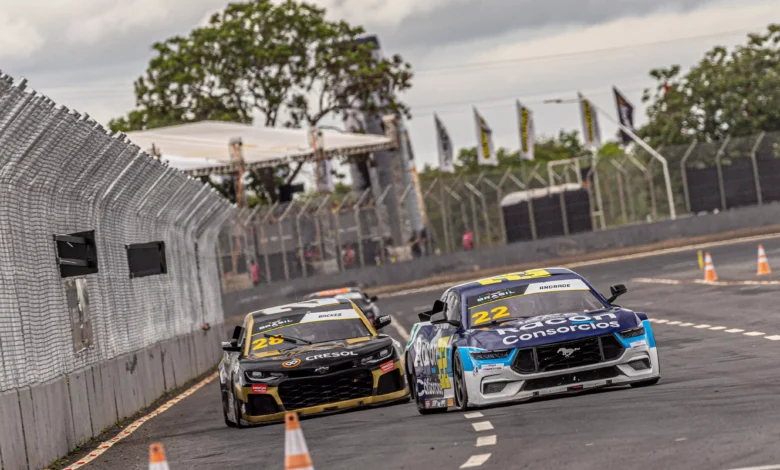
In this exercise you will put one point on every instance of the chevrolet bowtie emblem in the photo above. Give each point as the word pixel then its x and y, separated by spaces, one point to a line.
pixel 321 370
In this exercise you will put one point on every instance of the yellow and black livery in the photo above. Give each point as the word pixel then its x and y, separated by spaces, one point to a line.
pixel 315 356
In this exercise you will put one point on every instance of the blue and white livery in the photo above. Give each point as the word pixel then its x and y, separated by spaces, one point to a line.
pixel 524 335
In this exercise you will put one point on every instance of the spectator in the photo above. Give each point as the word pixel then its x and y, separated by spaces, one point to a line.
pixel 468 240
pixel 415 246
pixel 255 269
pixel 349 256
pixel 424 241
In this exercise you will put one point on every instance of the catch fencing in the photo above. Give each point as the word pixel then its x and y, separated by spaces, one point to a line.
pixel 324 235
pixel 105 250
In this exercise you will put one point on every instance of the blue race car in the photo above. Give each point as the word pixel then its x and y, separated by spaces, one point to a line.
pixel 524 335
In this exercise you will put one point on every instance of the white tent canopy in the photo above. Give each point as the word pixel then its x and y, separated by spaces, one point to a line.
pixel 202 148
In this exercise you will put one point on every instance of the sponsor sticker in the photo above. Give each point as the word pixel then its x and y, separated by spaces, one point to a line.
pixel 334 315
pixel 557 326
pixel 639 344
pixel 331 355
pixel 387 366
pixel 291 363
pixel 552 286
pixel 427 404
pixel 450 402
pixel 492 367
pixel 259 388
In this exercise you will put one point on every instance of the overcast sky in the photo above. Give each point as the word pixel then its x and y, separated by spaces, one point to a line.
pixel 86 53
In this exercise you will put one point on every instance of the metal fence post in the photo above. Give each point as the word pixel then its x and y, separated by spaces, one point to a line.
pixel 685 157
pixel 481 197
pixel 264 241
pixel 301 248
pixel 356 208
pixel 501 221
pixel 753 158
pixel 721 186
pixel 621 190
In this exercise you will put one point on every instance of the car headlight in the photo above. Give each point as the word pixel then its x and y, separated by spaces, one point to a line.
pixel 380 355
pixel 482 356
pixel 261 376
pixel 633 332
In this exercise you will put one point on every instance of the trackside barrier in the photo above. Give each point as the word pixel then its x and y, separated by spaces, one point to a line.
pixel 110 281
pixel 157 457
pixel 296 454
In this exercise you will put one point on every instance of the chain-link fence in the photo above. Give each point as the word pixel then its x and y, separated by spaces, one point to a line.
pixel 498 206
pixel 105 250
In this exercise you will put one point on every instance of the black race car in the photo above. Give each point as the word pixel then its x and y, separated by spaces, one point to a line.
pixel 367 303
pixel 314 356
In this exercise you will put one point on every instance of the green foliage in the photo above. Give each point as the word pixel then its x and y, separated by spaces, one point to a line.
pixel 286 62
pixel 727 92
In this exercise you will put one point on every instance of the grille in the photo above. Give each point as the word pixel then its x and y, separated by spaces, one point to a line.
pixel 493 387
pixel 390 382
pixel 331 388
pixel 568 355
pixel 571 378
pixel 261 405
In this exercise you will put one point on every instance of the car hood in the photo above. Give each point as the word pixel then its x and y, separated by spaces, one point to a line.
pixel 546 329
pixel 311 356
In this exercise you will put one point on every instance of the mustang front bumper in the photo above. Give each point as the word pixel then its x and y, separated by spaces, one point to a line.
pixel 505 380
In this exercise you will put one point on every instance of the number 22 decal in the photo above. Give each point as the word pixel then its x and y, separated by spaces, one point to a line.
pixel 479 318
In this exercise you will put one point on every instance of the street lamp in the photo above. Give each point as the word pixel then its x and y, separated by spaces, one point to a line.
pixel 637 140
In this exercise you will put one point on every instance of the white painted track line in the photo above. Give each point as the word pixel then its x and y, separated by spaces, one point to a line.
pixel 754 333
pixel 476 414
pixel 773 337
pixel 702 326
pixel 486 441
pixel 476 460
pixel 482 426
pixel 646 254
pixel 734 330
pixel 765 467
pixel 718 328
pixel 686 324
pixel 675 322
pixel 399 328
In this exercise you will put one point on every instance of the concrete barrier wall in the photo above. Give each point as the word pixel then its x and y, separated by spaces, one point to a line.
pixel 44 422
pixel 239 303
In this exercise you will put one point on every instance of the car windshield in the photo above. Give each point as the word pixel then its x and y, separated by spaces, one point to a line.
pixel 311 327
pixel 530 300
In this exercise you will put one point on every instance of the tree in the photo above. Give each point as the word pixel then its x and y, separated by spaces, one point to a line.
pixel 285 62
pixel 726 93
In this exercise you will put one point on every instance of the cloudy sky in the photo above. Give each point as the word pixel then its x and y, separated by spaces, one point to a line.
pixel 86 53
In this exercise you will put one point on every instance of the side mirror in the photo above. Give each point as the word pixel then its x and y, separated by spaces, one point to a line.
pixel 617 290
pixel 441 317
pixel 381 322
pixel 438 306
pixel 373 298
pixel 231 346
pixel 237 332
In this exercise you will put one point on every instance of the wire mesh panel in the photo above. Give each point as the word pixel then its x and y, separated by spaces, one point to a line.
pixel 74 195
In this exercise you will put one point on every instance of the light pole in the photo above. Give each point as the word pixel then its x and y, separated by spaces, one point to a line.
pixel 638 141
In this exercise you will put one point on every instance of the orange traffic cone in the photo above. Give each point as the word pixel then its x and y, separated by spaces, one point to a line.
pixel 763 263
pixel 157 457
pixel 296 454
pixel 709 269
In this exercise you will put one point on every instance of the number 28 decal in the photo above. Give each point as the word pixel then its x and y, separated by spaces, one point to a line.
pixel 521 276
pixel 263 343
pixel 478 318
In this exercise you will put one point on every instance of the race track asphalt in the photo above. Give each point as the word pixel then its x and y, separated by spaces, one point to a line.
pixel 716 407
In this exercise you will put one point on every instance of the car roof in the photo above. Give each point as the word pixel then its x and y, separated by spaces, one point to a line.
pixel 331 292
pixel 529 275
pixel 314 305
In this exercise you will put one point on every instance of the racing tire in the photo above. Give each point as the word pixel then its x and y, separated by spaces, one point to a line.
pixel 459 383
pixel 646 383
pixel 226 411
pixel 420 407
pixel 237 412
